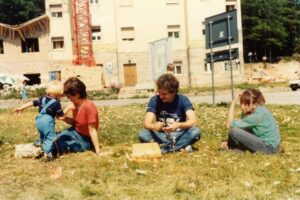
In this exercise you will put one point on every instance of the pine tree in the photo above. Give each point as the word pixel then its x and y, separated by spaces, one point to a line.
pixel 263 23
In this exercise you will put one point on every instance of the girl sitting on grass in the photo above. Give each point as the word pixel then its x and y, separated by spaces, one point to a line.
pixel 256 130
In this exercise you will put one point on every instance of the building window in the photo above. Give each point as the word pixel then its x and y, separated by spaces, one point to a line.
pixel 125 3
pixel 230 7
pixel 30 45
pixel 172 2
pixel 127 33
pixel 56 10
pixel 174 31
pixel 178 67
pixel 96 33
pixel 55 75
pixel 94 2
pixel 1 47
pixel 207 67
pixel 57 42
pixel 56 14
pixel 234 65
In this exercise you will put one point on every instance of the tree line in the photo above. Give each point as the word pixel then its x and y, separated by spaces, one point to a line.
pixel 19 11
pixel 271 28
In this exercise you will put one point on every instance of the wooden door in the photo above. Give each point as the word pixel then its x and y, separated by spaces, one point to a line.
pixel 130 77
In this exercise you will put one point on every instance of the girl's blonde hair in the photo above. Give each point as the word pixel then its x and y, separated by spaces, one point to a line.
pixel 252 96
pixel 54 87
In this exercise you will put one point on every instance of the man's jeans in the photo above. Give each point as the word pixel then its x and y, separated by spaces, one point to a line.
pixel 173 141
pixel 70 140
pixel 243 140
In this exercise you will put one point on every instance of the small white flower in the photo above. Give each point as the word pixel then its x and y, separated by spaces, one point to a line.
pixel 192 185
pixel 276 182
pixel 247 184
pixel 267 193
pixel 142 172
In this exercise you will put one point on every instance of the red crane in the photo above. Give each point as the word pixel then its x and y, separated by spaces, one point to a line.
pixel 83 54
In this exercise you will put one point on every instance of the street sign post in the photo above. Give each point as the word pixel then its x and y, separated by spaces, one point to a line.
pixel 221 30
pixel 161 55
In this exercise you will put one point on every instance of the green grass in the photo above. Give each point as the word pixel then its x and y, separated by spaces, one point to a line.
pixel 204 174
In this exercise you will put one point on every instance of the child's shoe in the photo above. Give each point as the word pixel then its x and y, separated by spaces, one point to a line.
pixel 37 152
pixel 37 143
pixel 47 157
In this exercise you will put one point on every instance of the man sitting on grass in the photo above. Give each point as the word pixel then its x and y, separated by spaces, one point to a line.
pixel 170 119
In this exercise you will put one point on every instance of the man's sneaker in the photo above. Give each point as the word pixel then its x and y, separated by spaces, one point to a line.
pixel 188 149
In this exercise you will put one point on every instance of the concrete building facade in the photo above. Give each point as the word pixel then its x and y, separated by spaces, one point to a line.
pixel 122 31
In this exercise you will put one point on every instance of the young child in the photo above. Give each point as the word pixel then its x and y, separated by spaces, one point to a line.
pixel 24 92
pixel 49 108
pixel 256 130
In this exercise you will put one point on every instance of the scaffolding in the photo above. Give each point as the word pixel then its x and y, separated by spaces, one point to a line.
pixel 83 54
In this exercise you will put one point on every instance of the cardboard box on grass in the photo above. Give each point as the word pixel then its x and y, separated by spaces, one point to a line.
pixel 27 151
pixel 146 152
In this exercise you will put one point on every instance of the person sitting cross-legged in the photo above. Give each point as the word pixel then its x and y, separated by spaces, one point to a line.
pixel 170 119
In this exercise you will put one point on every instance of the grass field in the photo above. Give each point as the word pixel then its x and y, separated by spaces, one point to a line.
pixel 204 174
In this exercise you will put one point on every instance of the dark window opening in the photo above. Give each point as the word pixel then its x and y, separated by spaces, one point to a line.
pixel 30 45
pixel 1 47
pixel 230 7
pixel 56 14
pixel 33 79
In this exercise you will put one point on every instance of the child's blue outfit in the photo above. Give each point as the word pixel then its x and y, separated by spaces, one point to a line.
pixel 24 93
pixel 49 107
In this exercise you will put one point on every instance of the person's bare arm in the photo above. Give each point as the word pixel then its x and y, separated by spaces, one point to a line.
pixel 69 108
pixel 190 122
pixel 230 114
pixel 66 118
pixel 149 124
pixel 231 111
pixel 24 106
pixel 94 137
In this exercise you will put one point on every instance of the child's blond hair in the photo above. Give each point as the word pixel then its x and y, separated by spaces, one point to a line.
pixel 54 88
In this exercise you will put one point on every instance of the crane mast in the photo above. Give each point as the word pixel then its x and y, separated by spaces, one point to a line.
pixel 83 53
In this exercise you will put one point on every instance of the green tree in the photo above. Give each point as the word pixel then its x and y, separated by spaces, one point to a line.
pixel 263 23
pixel 20 11
pixel 292 25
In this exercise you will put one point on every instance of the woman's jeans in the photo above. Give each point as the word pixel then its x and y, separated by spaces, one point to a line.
pixel 173 141
pixel 243 140
pixel 70 140
pixel 46 127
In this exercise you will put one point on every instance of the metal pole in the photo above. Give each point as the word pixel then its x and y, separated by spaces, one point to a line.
pixel 251 71
pixel 229 43
pixel 211 61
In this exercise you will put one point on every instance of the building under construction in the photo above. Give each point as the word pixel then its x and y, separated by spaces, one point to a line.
pixel 108 42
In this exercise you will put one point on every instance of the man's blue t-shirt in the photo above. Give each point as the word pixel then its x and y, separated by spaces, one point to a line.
pixel 54 109
pixel 170 112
